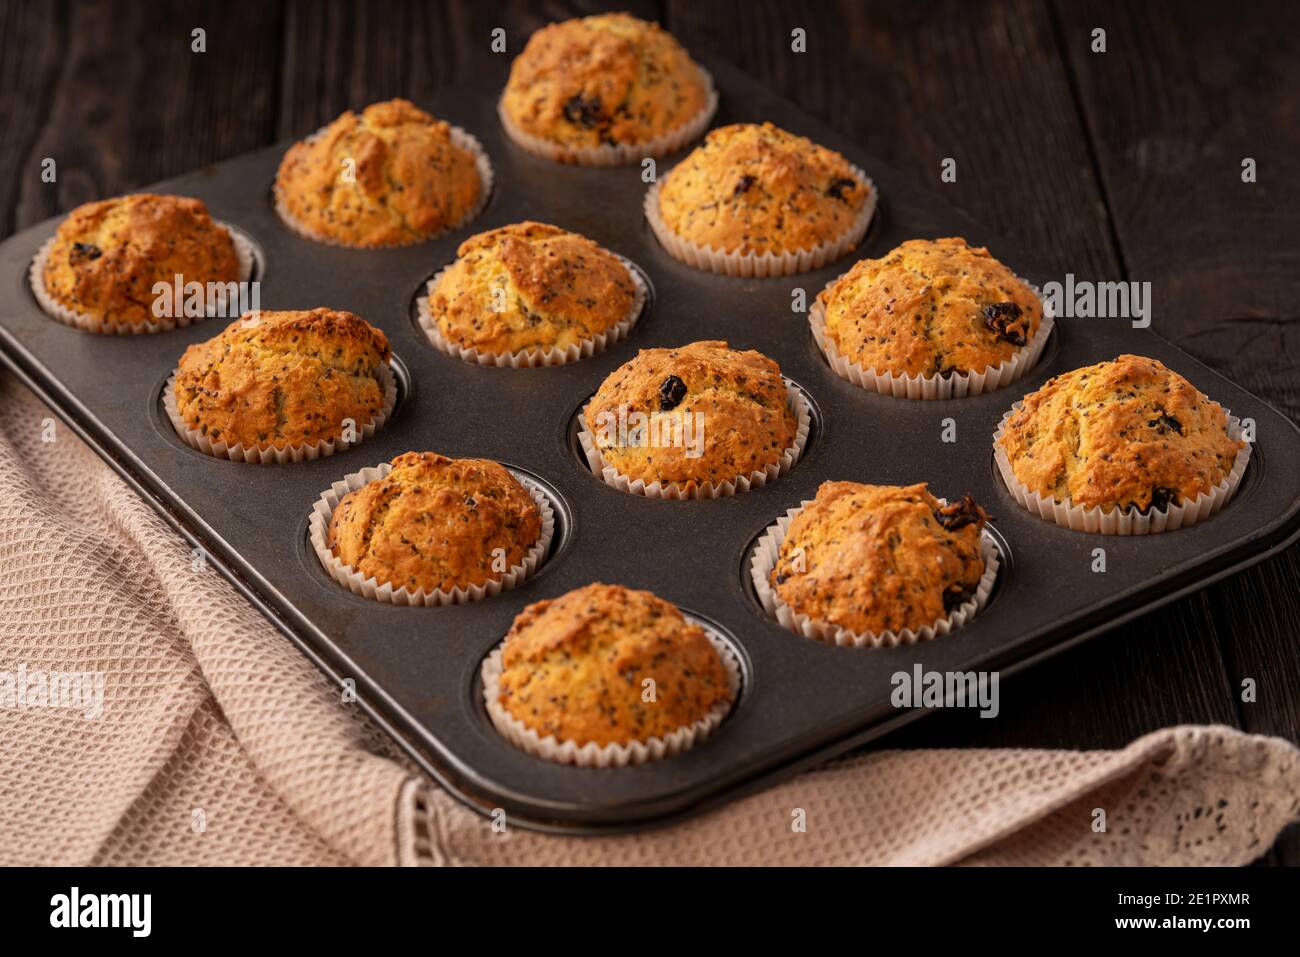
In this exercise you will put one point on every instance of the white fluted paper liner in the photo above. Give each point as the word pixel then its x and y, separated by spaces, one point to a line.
pixel 768 550
pixel 956 385
pixel 1117 521
pixel 536 356
pixel 245 254
pixel 760 264
pixel 615 154
pixel 267 454
pixel 370 587
pixel 672 490
pixel 592 755
pixel 459 137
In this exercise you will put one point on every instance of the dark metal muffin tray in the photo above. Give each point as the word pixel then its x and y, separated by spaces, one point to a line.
pixel 416 669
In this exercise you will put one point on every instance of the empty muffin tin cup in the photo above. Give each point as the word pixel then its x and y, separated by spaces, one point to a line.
pixel 370 587
pixel 768 550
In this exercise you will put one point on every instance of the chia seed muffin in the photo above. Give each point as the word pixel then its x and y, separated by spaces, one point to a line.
pixel 577 668
pixel 605 89
pixel 392 176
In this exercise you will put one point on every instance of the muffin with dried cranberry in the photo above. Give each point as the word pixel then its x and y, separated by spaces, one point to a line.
pixel 1130 435
pixel 391 176
pixel 611 667
pixel 700 420
pixel 756 200
pixel 98 272
pixel 929 309
pixel 530 294
pixel 605 89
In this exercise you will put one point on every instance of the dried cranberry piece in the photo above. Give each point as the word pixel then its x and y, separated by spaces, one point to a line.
pixel 1161 498
pixel 1165 422
pixel 837 188
pixel 583 112
pixel 960 513
pixel 956 595
pixel 1006 321
pixel 671 391
pixel 746 181
pixel 84 251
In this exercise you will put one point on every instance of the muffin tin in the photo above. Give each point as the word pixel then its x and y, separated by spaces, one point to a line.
pixel 417 669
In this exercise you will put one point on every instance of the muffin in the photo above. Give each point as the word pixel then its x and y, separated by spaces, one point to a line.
pixel 605 89
pixel 1129 434
pixel 700 420
pixel 99 270
pixel 930 309
pixel 756 200
pixel 530 294
pixel 605 665
pixel 432 523
pixel 283 382
pixel 390 177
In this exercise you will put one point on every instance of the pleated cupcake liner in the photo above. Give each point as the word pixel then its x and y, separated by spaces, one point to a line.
pixel 682 491
pixel 613 755
pixel 269 454
pixel 459 137
pixel 956 385
pixel 245 254
pixel 1122 521
pixel 768 550
pixel 370 587
pixel 615 154
pixel 535 356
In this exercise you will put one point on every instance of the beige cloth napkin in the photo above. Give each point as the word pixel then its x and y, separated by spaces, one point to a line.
pixel 218 743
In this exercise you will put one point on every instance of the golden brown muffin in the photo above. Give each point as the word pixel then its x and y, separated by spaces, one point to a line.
pixel 605 79
pixel 388 177
pixel 530 286
pixel 436 523
pixel 1125 433
pixel 930 307
pixel 575 667
pixel 107 255
pixel 738 399
pixel 758 189
pixel 283 379
pixel 875 558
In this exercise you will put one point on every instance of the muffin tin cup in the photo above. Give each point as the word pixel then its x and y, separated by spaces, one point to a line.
pixel 954 386
pixel 693 490
pixel 244 253
pixel 761 264
pixel 370 587
pixel 460 138
pixel 592 755
pixel 1117 521
pixel 768 550
pixel 534 357
pixel 268 454
pixel 615 154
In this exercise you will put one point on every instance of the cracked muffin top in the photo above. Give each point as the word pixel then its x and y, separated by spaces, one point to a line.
pixel 388 177
pixel 1129 433
pixel 610 79
pixel 875 558
pixel 758 189
pixel 107 255
pixel 576 667
pixel 930 307
pixel 710 414
pixel 530 286
pixel 436 523
pixel 282 379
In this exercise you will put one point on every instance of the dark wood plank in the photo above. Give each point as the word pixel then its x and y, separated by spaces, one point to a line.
pixel 29 66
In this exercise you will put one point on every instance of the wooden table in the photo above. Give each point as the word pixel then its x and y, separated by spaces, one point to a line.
pixel 1117 165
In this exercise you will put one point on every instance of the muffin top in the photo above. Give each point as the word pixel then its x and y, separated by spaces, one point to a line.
pixel 436 523
pixel 875 558
pixel 759 189
pixel 530 285
pixel 610 79
pixel 710 414
pixel 576 667
pixel 388 177
pixel 930 307
pixel 283 379
pixel 1125 433
pixel 107 255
